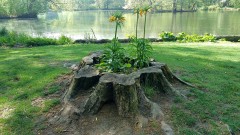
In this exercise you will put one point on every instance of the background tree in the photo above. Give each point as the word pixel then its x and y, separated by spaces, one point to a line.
pixel 13 8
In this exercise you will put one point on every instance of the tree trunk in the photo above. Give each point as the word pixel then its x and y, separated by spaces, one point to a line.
pixel 125 90
pixel 174 6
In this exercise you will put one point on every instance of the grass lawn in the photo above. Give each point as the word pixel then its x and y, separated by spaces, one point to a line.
pixel 213 67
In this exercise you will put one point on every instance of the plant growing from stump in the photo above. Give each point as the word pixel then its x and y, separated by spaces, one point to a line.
pixel 142 49
pixel 127 91
pixel 113 58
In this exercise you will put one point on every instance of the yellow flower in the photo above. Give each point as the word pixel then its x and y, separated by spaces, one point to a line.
pixel 141 12
pixel 112 18
pixel 117 17
pixel 122 19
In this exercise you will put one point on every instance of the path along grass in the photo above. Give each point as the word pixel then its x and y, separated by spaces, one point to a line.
pixel 213 67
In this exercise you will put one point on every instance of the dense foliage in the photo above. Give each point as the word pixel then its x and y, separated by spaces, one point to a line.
pixel 168 36
pixel 24 8
pixel 29 8
pixel 130 4
pixel 11 39
pixel 183 37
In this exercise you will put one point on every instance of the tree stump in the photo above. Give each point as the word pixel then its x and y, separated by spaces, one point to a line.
pixel 125 90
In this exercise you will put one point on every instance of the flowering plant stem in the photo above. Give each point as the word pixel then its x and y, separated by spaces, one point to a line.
pixel 145 23
pixel 116 29
pixel 137 24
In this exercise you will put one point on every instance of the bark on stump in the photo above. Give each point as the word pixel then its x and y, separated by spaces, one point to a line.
pixel 125 90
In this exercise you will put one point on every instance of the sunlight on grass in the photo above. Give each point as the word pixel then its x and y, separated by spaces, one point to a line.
pixel 213 67
pixel 5 111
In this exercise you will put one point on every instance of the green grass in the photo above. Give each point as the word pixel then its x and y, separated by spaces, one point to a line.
pixel 214 68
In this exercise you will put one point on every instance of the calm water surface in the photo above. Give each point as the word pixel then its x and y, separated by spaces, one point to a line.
pixel 77 24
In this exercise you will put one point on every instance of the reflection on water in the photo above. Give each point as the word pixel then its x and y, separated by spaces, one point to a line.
pixel 77 24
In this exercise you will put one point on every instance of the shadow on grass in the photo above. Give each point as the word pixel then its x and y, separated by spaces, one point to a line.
pixel 26 72
pixel 217 78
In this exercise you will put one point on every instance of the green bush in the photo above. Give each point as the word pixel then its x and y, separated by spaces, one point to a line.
pixel 168 36
pixel 3 41
pixel 208 38
pixel 64 40
pixel 3 31
pixel 183 37
pixel 13 38
pixel 41 41
pixel 189 38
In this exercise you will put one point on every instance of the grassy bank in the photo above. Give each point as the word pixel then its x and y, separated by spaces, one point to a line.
pixel 14 39
pixel 26 74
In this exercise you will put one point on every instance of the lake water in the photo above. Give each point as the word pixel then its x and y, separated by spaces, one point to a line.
pixel 78 23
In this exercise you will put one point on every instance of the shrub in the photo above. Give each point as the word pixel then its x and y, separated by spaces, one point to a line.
pixel 3 41
pixel 168 36
pixel 64 40
pixel 191 38
pixel 41 41
pixel 13 38
pixel 3 31
pixel 208 38
pixel 183 37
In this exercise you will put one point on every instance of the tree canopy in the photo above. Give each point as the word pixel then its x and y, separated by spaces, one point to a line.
pixel 12 8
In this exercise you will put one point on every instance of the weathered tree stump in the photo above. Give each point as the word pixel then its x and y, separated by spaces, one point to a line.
pixel 125 90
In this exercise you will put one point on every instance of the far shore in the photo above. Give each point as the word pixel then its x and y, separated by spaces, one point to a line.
pixel 34 15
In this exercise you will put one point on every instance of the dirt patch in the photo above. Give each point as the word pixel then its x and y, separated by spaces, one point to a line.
pixel 105 122
pixel 5 112
pixel 39 102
